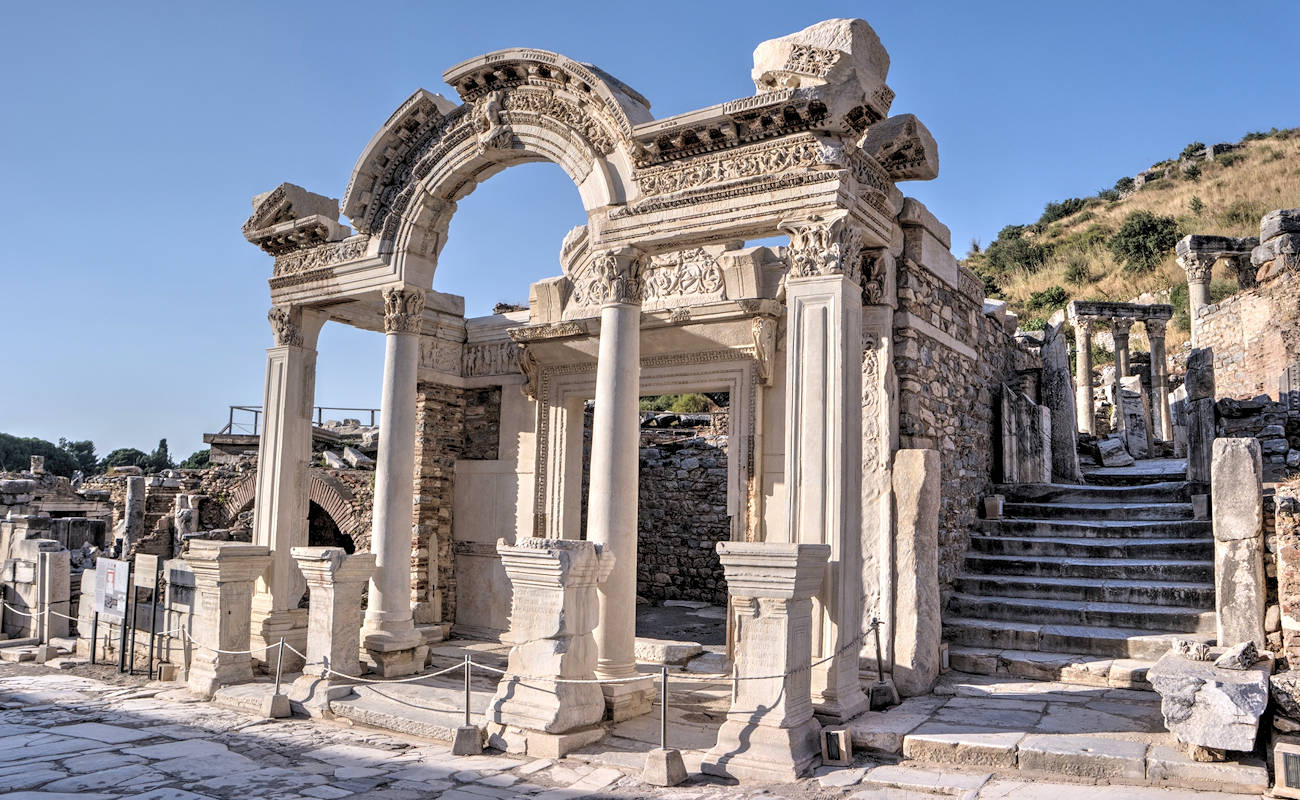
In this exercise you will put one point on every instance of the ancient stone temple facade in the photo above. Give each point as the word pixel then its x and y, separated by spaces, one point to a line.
pixel 859 336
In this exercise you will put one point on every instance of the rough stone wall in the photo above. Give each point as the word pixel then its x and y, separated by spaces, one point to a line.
pixel 681 516
pixel 440 432
pixel 1277 430
pixel 948 395
pixel 1284 571
pixel 1255 335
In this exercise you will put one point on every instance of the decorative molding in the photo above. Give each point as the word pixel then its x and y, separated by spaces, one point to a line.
pixel 1119 328
pixel 492 133
pixel 824 246
pixel 615 278
pixel 871 428
pixel 403 309
pixel 876 265
pixel 550 330
pixel 809 60
pixel 686 272
pixel 325 255
pixel 742 163
pixel 286 331
pixel 527 364
pixel 763 330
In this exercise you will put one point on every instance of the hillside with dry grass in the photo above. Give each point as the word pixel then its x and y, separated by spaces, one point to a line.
pixel 1118 244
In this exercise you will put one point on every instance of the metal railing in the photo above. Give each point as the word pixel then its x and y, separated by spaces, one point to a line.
pixel 239 422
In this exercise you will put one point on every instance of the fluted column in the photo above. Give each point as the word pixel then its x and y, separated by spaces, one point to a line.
pixel 1198 267
pixel 823 453
pixel 1119 329
pixel 393 646
pixel 281 494
pixel 1161 419
pixel 1083 364
pixel 612 493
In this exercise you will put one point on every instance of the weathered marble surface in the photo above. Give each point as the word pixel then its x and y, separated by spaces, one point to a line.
pixel 1210 707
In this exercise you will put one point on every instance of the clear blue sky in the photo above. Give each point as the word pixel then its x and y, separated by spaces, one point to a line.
pixel 133 136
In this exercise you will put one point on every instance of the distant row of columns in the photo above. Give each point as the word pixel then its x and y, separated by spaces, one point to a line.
pixel 1153 321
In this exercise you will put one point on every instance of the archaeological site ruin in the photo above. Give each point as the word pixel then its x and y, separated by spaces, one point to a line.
pixel 903 527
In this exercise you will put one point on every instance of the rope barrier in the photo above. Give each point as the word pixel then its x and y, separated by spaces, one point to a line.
pixel 20 612
pixel 358 679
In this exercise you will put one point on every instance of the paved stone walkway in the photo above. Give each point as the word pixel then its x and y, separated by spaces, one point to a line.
pixel 66 736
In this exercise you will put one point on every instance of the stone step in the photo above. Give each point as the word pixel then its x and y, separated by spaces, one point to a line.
pixel 1113 590
pixel 1082 547
pixel 1074 612
pixel 1099 511
pixel 1099 529
pixel 1161 492
pixel 1071 668
pixel 1133 478
pixel 1199 571
pixel 1037 637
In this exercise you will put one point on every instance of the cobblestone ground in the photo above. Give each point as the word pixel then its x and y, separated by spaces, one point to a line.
pixel 71 736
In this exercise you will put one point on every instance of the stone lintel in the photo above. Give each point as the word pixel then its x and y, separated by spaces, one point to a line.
pixel 1216 246
pixel 1097 309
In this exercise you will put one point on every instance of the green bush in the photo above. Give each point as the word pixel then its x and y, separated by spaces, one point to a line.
pixel 1076 270
pixel 1192 172
pixel 1192 150
pixel 1109 195
pixel 1054 211
pixel 1196 204
pixel 1049 299
pixel 677 403
pixel 1143 240
pixel 16 454
pixel 1240 212
pixel 1012 251
pixel 1229 159
pixel 1124 184
pixel 197 460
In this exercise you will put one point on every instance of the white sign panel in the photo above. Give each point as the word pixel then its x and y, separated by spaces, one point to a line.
pixel 110 587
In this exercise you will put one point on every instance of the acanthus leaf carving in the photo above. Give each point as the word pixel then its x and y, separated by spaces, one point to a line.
pixel 830 245
pixel 284 328
pixel 403 309
pixel 617 277
pixel 325 255
pixel 763 330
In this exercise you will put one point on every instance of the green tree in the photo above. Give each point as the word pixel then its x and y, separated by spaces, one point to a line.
pixel 1196 204
pixel 1143 239
pixel 16 455
pixel 124 457
pixel 1193 150
pixel 197 460
pixel 83 453
pixel 160 459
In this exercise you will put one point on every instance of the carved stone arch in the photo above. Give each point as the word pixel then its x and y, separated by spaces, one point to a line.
pixel 324 490
pixel 518 106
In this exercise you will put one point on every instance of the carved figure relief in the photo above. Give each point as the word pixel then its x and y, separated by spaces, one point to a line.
pixel 325 255
pixel 495 358
pixel 764 333
pixel 492 133
pixel 688 273
pixel 440 355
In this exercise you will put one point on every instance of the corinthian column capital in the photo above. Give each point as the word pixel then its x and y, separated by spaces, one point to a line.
pixel 1155 328
pixel 1198 266
pixel 403 309
pixel 286 326
pixel 830 244
pixel 618 276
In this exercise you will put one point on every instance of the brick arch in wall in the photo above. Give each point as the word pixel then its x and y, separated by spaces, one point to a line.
pixel 324 490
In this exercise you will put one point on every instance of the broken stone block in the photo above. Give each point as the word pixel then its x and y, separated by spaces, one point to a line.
pixel 1237 510
pixel 1194 651
pixel 1205 706
pixel 333 460
pixel 1284 688
pixel 1199 384
pixel 1111 452
pixel 1240 656
pixel 358 459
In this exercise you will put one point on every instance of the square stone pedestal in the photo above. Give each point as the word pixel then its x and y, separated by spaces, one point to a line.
pixel 553 612
pixel 392 655
pixel 223 581
pixel 770 733
pixel 335 581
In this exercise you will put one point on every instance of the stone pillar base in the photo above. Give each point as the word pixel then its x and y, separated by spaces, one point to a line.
pixel 393 659
pixel 628 700
pixel 833 711
pixel 312 694
pixel 267 630
pixel 753 752
pixel 539 744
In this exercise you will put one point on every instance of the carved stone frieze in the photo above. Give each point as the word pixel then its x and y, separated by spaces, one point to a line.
pixel 692 274
pixel 871 428
pixel 440 355
pixel 830 245
pixel 553 330
pixel 403 309
pixel 491 358
pixel 286 331
pixel 747 162
pixel 877 263
pixel 544 102
pixel 325 255
pixel 811 60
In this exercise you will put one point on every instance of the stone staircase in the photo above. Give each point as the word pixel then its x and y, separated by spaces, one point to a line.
pixel 1084 584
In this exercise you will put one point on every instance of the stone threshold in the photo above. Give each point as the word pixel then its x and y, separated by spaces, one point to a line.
pixel 1070 668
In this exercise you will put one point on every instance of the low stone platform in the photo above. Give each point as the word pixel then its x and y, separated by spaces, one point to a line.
pixel 1050 729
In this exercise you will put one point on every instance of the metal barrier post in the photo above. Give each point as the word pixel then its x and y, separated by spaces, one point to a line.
pixel 467 676
pixel 94 635
pixel 279 663
pixel 126 620
pixel 663 707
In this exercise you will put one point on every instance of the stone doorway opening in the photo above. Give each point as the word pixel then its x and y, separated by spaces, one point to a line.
pixel 682 514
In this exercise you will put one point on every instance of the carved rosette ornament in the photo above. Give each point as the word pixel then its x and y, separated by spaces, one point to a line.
pixel 1198 266
pixel 403 309
pixel 824 246
pixel 286 331
pixel 618 276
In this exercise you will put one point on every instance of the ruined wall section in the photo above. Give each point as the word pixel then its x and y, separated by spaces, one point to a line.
pixel 951 358
pixel 1255 335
